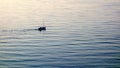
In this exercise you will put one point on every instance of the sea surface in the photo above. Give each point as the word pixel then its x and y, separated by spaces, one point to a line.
pixel 80 34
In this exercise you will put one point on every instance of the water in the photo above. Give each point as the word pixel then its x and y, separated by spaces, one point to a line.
pixel 80 34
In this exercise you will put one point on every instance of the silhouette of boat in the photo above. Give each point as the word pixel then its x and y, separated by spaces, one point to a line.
pixel 43 28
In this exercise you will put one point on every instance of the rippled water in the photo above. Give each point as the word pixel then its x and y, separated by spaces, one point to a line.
pixel 80 34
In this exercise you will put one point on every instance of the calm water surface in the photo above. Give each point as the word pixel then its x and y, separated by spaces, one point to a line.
pixel 80 34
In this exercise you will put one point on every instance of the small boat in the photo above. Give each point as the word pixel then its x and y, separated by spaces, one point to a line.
pixel 43 28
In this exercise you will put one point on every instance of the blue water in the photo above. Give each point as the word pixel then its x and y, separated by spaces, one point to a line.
pixel 80 34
